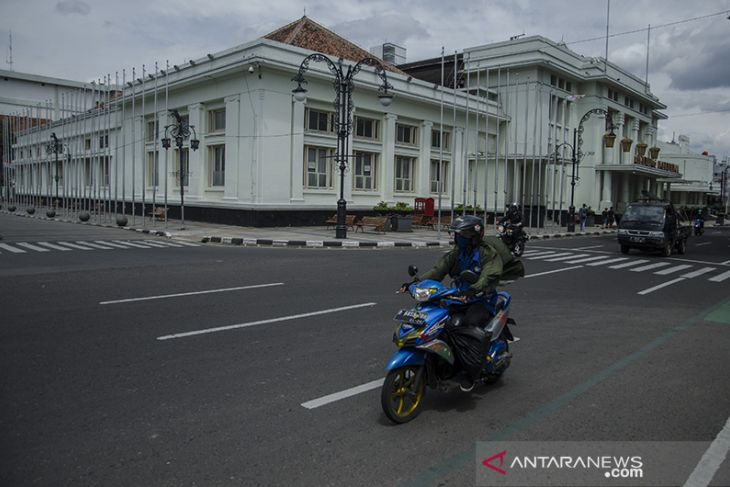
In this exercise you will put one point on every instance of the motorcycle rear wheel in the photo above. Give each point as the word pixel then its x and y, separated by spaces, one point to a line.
pixel 402 395
pixel 519 248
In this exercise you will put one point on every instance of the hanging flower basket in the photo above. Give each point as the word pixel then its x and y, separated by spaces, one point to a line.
pixel 654 152
pixel 608 140
pixel 641 149
pixel 626 144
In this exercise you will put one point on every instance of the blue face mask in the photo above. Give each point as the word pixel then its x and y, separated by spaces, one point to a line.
pixel 462 242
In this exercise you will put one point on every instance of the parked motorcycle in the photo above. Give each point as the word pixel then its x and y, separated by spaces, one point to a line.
pixel 699 226
pixel 425 337
pixel 513 237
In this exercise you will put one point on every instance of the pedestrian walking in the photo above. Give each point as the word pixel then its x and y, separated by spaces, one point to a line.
pixel 611 217
pixel 604 214
pixel 583 214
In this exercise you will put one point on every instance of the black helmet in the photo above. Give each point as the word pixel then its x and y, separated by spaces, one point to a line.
pixel 514 206
pixel 468 226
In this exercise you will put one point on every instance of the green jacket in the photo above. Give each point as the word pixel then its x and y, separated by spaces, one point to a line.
pixel 496 261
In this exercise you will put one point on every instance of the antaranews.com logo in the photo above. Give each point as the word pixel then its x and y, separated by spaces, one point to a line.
pixel 611 466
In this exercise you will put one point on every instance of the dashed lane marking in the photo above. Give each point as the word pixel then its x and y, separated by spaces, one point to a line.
pixel 660 286
pixel 656 265
pixel 192 293
pixel 698 272
pixel 628 264
pixel 609 261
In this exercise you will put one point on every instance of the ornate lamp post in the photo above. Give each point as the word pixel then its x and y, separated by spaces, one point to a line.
pixel 180 131
pixel 608 140
pixel 343 85
pixel 56 147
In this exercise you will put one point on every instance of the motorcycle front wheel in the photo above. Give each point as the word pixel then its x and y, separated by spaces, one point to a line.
pixel 519 248
pixel 402 393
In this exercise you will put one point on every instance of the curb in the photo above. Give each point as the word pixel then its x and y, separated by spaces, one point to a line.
pixel 320 243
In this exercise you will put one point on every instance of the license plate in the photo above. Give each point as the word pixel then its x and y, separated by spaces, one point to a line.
pixel 637 239
pixel 411 317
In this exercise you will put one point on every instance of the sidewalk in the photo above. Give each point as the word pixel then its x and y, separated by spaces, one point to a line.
pixel 318 236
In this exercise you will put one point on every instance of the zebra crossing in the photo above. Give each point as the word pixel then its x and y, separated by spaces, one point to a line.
pixel 89 245
pixel 610 261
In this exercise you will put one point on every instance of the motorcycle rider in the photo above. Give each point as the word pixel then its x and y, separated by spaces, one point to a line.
pixel 512 219
pixel 491 260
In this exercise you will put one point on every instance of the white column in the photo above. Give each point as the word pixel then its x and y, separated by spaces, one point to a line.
pixel 424 161
pixel 297 152
pixel 387 174
pixel 196 163
pixel 232 147
pixel 458 159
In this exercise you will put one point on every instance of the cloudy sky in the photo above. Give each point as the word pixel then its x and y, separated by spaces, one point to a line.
pixel 689 49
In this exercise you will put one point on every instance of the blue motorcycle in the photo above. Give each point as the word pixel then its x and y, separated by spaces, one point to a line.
pixel 425 337
pixel 699 226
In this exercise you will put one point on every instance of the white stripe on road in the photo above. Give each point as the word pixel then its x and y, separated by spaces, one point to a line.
pixel 531 252
pixel 262 322
pixel 650 266
pixel 189 244
pixel 567 258
pixel 32 247
pixel 703 243
pixel 628 264
pixel 610 261
pixel 131 244
pixel 164 243
pixel 587 259
pixel 74 246
pixel 52 246
pixel 727 262
pixel 551 255
pixel 699 272
pixel 710 462
pixel 672 270
pixel 556 270
pixel 315 403
pixel 164 296
pixel 720 277
pixel 111 244
pixel 150 243
pixel 545 253
pixel 93 245
pixel 11 249
pixel 590 247
pixel 668 283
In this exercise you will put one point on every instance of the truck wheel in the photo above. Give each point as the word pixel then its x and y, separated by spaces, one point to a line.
pixel 667 250
pixel 625 249
pixel 682 246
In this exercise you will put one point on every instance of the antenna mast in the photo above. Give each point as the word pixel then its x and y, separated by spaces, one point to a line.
pixel 9 59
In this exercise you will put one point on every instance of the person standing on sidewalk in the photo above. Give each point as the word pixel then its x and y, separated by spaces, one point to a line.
pixel 583 214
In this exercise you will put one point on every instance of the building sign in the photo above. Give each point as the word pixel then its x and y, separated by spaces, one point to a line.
pixel 664 166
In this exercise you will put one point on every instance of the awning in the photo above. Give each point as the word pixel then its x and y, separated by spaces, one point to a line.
pixel 642 170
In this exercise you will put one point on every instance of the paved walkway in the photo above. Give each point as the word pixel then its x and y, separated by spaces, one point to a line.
pixel 318 236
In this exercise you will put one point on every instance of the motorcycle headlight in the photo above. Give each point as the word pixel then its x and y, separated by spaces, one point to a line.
pixel 500 228
pixel 423 294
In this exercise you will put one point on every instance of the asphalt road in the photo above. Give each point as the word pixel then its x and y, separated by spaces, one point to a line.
pixel 98 388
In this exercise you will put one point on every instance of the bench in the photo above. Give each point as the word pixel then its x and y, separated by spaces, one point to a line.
pixel 160 214
pixel 349 221
pixel 422 221
pixel 377 222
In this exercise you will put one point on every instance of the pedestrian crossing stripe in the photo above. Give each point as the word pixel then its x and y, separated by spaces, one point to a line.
pixel 64 246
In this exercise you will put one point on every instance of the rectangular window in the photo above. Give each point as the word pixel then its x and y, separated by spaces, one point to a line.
pixel 318 173
pixel 366 128
pixel 88 176
pixel 104 170
pixel 103 141
pixel 152 131
pixel 87 144
pixel 441 178
pixel 217 120
pixel 405 134
pixel 153 169
pixel 436 139
pixel 217 165
pixel 186 167
pixel 404 167
pixel 319 121
pixel 366 172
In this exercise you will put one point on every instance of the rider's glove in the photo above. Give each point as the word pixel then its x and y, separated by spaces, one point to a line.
pixel 404 287
pixel 470 293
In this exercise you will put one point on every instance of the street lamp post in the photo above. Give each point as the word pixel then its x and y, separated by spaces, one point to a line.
pixel 343 113
pixel 56 147
pixel 577 155
pixel 180 131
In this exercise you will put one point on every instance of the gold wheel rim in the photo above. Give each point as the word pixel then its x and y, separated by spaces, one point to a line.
pixel 406 394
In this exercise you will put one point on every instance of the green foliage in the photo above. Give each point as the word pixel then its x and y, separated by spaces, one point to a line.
pixel 400 208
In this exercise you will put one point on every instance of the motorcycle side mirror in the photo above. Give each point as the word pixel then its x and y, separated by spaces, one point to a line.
pixel 469 277
pixel 412 270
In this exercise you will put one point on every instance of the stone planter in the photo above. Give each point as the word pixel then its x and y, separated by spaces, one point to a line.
pixel 608 140
pixel 654 152
pixel 641 149
pixel 30 210
pixel 50 213
pixel 401 223
pixel 84 216
pixel 121 221
pixel 626 145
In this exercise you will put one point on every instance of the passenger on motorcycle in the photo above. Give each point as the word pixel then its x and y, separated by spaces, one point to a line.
pixel 490 259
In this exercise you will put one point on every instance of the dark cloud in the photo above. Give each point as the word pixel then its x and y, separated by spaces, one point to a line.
pixel 69 7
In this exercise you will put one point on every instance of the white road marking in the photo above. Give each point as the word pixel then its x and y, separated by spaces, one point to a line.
pixel 11 249
pixel 111 244
pixel 550 252
pixel 699 272
pixel 628 264
pixel 150 243
pixel 710 462
pixel 93 245
pixel 590 247
pixel 703 243
pixel 131 244
pixel 727 262
pixel 587 259
pixel 74 246
pixel 189 244
pixel 551 255
pixel 31 247
pixel 53 246
pixel 164 243
pixel 552 272
pixel 558 259
pixel 610 261
pixel 515 339
pixel 315 403
pixel 531 252
pixel 164 296
pixel 720 277
pixel 263 322
pixel 650 266
pixel 672 270
pixel 668 283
